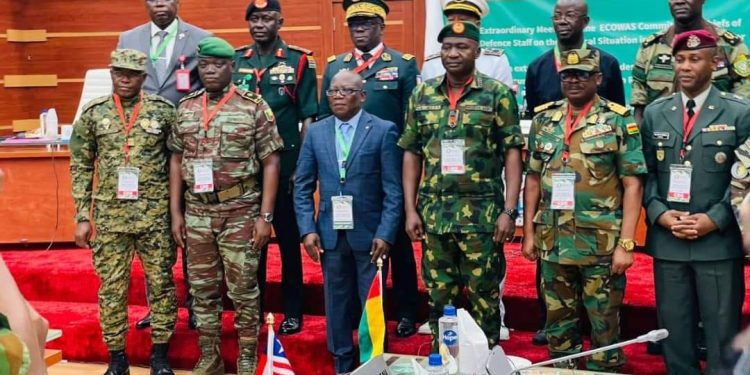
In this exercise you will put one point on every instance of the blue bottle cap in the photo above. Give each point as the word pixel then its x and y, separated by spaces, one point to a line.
pixel 449 310
pixel 435 360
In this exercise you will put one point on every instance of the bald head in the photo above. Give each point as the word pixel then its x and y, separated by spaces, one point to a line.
pixel 346 94
pixel 570 18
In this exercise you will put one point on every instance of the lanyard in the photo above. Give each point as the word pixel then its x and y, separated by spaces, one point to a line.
pixel 367 63
pixel 208 117
pixel 557 55
pixel 155 54
pixel 453 97
pixel 345 148
pixel 127 123
pixel 570 125
pixel 687 127
pixel 258 76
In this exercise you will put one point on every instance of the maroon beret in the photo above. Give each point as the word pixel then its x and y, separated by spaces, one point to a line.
pixel 693 40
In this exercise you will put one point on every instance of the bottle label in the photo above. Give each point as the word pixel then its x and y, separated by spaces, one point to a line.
pixel 450 338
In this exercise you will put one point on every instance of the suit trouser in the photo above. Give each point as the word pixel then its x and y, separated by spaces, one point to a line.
pixel 345 272
pixel 404 276
pixel 113 257
pixel 287 236
pixel 688 291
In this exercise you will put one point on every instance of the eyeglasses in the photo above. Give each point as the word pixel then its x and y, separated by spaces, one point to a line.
pixel 163 1
pixel 580 75
pixel 364 24
pixel 342 92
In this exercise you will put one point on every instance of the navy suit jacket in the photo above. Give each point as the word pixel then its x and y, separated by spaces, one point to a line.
pixel 373 178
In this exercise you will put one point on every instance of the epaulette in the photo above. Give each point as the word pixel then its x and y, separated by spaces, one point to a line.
pixel 242 48
pixel 734 97
pixel 616 108
pixel 95 102
pixel 663 98
pixel 300 49
pixel 331 58
pixel 731 38
pixel 249 95
pixel 432 57
pixel 546 106
pixel 651 39
pixel 407 57
pixel 494 52
pixel 193 94
pixel 159 98
pixel 349 56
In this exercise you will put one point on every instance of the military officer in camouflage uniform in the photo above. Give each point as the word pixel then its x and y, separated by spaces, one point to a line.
pixel 654 74
pixel 224 138
pixel 285 76
pixel 582 199
pixel 740 188
pixel 689 140
pixel 389 76
pixel 124 135
pixel 492 62
pixel 464 127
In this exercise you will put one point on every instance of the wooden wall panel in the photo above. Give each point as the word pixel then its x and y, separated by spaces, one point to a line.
pixel 82 33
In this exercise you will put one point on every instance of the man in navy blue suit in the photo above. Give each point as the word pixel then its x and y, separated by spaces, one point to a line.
pixel 354 157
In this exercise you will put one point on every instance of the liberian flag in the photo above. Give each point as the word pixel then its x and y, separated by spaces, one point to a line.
pixel 372 325
pixel 279 364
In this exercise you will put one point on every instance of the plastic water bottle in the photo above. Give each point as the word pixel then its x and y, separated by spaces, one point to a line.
pixel 448 330
pixel 435 365
pixel 50 124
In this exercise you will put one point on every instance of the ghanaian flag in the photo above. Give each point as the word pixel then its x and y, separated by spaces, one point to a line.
pixel 372 325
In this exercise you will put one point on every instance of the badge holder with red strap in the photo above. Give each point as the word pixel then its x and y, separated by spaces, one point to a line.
pixel 452 150
pixel 203 171
pixel 183 76
pixel 563 183
pixel 680 175
pixel 127 176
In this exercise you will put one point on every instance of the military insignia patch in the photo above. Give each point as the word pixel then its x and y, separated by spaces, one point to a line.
pixel 632 128
pixel 693 41
pixel 105 122
pixel 741 66
pixel 311 62
pixel 573 59
pixel 664 59
pixel 269 114
pixel 660 154
pixel 458 28
pixel 145 124
pixel 260 4
pixel 386 57
pixel 739 171
pixel 720 157
pixel 282 69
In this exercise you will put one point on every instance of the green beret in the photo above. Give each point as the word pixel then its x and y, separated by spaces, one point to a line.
pixel 215 47
pixel 460 30
pixel 128 59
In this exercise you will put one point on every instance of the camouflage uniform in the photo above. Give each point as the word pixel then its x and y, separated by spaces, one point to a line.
pixel 459 211
pixel 740 179
pixel 14 355
pixel 241 135
pixel 577 245
pixel 654 71
pixel 127 226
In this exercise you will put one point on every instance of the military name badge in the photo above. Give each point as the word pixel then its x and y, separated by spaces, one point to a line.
pixel 387 74
pixel 679 183
pixel 741 66
pixel 203 176
pixel 127 183
pixel 452 156
pixel 563 191
pixel 343 213
pixel 739 171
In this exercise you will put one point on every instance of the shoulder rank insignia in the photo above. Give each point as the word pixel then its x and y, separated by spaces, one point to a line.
pixel 331 58
pixel 731 38
pixel 616 108
pixel 246 46
pixel 649 40
pixel 311 62
pixel 192 95
pixel 407 57
pixel 386 57
pixel 348 57
pixel 493 52
pixel 543 107
pixel 300 49
pixel 432 57
pixel 95 102
pixel 253 97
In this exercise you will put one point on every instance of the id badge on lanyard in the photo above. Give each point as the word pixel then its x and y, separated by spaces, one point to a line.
pixel 452 156
pixel 343 212
pixel 680 176
pixel 182 77
pixel 203 174
pixel 563 191
pixel 127 183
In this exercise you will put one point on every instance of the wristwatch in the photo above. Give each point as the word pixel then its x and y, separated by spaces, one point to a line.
pixel 512 212
pixel 267 217
pixel 628 245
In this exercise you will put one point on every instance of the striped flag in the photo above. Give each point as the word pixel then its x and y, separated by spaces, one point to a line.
pixel 279 364
pixel 372 326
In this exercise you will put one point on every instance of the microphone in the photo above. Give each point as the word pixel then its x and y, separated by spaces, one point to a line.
pixel 653 336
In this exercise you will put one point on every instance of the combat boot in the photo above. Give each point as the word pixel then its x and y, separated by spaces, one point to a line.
pixel 118 363
pixel 159 363
pixel 210 362
pixel 247 362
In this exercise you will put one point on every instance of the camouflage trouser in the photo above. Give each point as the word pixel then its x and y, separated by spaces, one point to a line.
pixel 113 256
pixel 453 261
pixel 602 293
pixel 219 247
pixel 14 356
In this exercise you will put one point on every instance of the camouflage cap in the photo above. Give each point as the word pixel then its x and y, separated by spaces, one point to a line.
pixel 128 59
pixel 464 29
pixel 586 60
pixel 215 47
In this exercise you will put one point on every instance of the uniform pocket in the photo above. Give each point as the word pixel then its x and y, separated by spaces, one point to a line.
pixel 544 230
pixel 599 155
pixel 718 150
pixel 237 140
pixel 386 85
pixel 665 153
